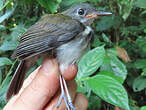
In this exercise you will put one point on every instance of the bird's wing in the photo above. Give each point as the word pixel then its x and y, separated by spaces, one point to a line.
pixel 48 33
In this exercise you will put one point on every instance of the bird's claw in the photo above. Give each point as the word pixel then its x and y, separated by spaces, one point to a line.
pixel 71 106
pixel 67 99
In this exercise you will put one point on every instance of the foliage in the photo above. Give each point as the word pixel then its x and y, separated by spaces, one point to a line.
pixel 113 73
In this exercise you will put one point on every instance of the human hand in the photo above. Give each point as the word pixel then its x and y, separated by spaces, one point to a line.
pixel 41 91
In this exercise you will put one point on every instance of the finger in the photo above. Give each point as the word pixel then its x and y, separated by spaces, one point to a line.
pixel 25 84
pixel 70 72
pixel 81 102
pixel 41 89
pixel 30 78
pixel 72 86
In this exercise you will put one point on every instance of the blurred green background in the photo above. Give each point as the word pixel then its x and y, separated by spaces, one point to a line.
pixel 112 74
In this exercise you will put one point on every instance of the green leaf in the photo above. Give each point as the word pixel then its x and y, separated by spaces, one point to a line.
pixel 131 29
pixel 104 23
pixel 118 67
pixel 141 3
pixel 133 104
pixel 8 45
pixel 90 62
pixel 106 66
pixel 144 72
pixel 5 84
pixel 107 73
pixel 113 64
pixel 143 108
pixel 65 4
pixel 112 51
pixel 139 83
pixel 17 31
pixel 3 90
pixel 145 29
pixel 2 27
pixel 97 42
pixel 2 5
pixel 5 61
pixel 105 38
pixel 83 88
pixel 141 42
pixel 6 15
pixel 50 5
pixel 140 63
pixel 68 3
pixel 109 90
pixel 125 7
pixel 10 42
pixel 94 103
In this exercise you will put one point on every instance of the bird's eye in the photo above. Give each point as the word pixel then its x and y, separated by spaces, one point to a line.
pixel 81 12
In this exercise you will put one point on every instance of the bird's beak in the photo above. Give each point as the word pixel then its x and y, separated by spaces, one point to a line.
pixel 95 14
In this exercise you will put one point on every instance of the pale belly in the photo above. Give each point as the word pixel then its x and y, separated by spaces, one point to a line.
pixel 71 52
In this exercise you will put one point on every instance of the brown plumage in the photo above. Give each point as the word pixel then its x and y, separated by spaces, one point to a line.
pixel 42 38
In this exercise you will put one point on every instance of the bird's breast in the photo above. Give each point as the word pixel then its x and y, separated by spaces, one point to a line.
pixel 71 51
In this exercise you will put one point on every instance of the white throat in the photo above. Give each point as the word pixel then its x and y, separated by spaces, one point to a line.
pixel 87 31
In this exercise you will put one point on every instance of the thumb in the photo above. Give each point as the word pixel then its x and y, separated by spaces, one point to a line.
pixel 36 95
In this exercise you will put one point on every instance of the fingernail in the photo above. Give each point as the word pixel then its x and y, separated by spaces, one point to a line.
pixel 70 72
pixel 74 67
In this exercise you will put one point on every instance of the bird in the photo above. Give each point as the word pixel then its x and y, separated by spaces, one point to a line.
pixel 65 36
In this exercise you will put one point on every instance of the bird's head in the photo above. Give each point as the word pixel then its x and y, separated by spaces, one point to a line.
pixel 85 13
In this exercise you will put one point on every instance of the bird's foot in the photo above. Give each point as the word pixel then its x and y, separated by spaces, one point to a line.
pixel 69 105
pixel 67 99
pixel 62 96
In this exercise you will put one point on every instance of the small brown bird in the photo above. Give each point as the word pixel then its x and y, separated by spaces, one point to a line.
pixel 64 35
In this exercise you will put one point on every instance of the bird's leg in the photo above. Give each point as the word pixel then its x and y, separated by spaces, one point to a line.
pixel 64 93
pixel 68 95
pixel 62 96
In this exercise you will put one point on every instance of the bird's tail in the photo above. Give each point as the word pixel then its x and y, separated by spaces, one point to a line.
pixel 17 80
